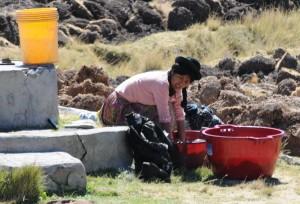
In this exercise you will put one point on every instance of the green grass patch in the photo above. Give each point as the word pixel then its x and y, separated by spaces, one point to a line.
pixel 66 119
pixel 22 185
pixel 111 186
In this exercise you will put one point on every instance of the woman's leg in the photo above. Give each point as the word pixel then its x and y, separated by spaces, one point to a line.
pixel 111 112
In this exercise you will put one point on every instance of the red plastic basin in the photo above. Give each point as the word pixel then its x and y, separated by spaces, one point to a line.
pixel 192 150
pixel 243 152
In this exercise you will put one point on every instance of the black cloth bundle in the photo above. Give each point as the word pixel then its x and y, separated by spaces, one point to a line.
pixel 200 116
pixel 151 148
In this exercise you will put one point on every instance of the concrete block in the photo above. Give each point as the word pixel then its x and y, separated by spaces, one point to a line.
pixel 99 148
pixel 28 96
pixel 62 171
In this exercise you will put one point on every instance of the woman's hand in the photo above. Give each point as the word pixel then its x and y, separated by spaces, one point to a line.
pixel 166 127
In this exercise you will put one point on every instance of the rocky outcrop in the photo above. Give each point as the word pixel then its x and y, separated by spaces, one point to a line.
pixel 116 21
pixel 90 21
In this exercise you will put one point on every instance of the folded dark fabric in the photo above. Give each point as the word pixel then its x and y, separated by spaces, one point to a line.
pixel 199 116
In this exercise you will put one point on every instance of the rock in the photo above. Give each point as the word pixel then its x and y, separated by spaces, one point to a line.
pixel 286 86
pixel 288 61
pixel 148 15
pixel 237 12
pixel 79 10
pixel 209 91
pixel 133 25
pixel 180 18
pixel 233 98
pixel 289 159
pixel 286 73
pixel 228 64
pixel 96 9
pixel 228 83
pixel 63 173
pixel 74 30
pixel 89 37
pixel 293 143
pixel 207 70
pixel 108 28
pixel 216 7
pixel 257 64
pixel 199 8
pixel 79 22
pixel 296 92
pixel 63 39
pixel 121 10
pixel 63 9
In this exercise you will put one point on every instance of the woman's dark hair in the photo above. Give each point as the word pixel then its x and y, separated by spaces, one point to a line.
pixel 186 66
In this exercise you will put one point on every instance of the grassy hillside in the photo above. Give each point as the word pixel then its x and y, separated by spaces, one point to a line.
pixel 208 42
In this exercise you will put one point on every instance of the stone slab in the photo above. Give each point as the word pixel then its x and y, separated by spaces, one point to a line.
pixel 28 96
pixel 99 148
pixel 62 171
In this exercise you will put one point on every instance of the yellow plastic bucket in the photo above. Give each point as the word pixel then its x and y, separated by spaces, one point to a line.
pixel 38 29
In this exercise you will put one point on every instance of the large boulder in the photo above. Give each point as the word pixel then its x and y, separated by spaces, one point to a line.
pixel 257 64
pixel 180 18
pixel 148 15
pixel 199 8
pixel 288 61
pixel 286 86
pixel 286 73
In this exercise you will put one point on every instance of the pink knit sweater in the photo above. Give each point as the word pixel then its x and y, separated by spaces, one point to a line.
pixel 152 88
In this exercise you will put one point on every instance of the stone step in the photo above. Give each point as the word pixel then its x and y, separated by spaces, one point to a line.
pixel 99 148
pixel 62 171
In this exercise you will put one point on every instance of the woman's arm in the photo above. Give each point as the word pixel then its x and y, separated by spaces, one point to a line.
pixel 180 129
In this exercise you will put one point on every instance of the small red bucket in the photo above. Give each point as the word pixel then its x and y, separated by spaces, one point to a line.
pixel 192 150
pixel 243 152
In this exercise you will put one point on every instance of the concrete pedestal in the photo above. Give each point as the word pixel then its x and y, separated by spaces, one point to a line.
pixel 28 96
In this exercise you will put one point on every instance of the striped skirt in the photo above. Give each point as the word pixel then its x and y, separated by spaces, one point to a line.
pixel 115 108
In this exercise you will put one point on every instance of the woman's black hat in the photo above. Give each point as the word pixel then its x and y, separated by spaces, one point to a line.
pixel 188 66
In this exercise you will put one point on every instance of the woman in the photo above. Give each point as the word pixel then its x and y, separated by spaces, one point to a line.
pixel 151 93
